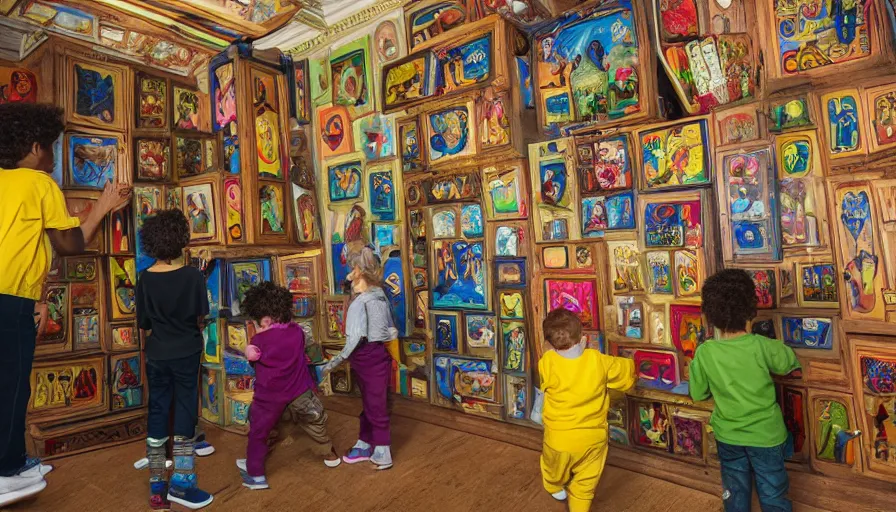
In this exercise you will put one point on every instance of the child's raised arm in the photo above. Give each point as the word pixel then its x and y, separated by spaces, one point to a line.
pixel 780 358
pixel 620 372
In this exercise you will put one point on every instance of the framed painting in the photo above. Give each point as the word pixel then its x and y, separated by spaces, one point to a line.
pixel 302 91
pixel 515 346
pixel 96 96
pixel 650 426
pixel 506 192
pixel 673 224
pixel 453 186
pixel 190 112
pixel 675 155
pixel 793 403
pixel 818 285
pixel 306 213
pixel 121 231
pixel 334 318
pixel 65 389
pixel 874 380
pixel 56 336
pixel 746 181
pixel 766 281
pixel 459 275
pixel 584 259
pixel 807 332
pixel 224 118
pixel 604 163
pixel 80 204
pixel 375 136
pixel 508 239
pixel 92 160
pixel 268 129
pixel 148 200
pixel 211 398
pixel 194 155
pixel 797 155
pixel 242 275
pixel 86 317
pixel 233 202
pixel 687 332
pixel 18 85
pixel 880 103
pixel 345 181
pixel 469 380
pixel 272 212
pixel 201 209
pixel 444 223
pixel 388 40
pixel 657 369
pixel 844 123
pixel 688 429
pixel 834 430
pixel 122 338
pixel 336 131
pixel 737 126
pixel 481 333
pixel 352 77
pixel 511 272
pixel 659 272
pixel 151 102
pixel 126 382
pixel 446 333
pixel 512 304
pixel 152 159
pixel 578 296
pixel 516 398
pixel 409 81
pixel 596 93
pixel 789 114
pixel 81 269
pixel 471 223
pixel 465 64
pixel 382 193
pixel 625 262
pixel 451 133
pixel 122 287
pixel 555 258
pixel 688 272
pixel 629 321
pixel 411 145
pixel 396 290
pixel 424 23
pixel 493 117
pixel 551 168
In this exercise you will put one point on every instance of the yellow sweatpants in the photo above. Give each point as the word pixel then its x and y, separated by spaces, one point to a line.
pixel 578 471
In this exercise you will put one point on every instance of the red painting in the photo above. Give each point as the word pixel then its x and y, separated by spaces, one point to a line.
pixel 579 297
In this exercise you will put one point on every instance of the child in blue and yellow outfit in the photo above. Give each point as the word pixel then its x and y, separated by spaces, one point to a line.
pixel 575 381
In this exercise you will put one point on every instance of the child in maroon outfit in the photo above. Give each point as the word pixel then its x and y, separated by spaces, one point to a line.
pixel 282 381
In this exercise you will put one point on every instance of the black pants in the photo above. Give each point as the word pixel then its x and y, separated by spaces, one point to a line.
pixel 173 380
pixel 17 338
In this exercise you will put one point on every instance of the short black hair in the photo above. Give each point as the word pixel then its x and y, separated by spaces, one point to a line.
pixel 268 299
pixel 165 235
pixel 23 125
pixel 729 300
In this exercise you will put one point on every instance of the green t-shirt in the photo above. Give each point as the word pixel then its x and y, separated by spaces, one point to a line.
pixel 736 373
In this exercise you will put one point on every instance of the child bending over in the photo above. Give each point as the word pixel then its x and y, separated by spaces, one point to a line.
pixel 282 381
pixel 735 369
pixel 575 381
pixel 172 302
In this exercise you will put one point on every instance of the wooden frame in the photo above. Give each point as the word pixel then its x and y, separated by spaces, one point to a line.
pixel 119 118
pixel 680 434
pixel 118 168
pixel 157 118
pixel 49 404
pixel 121 338
pixel 859 123
pixel 802 300
pixel 194 185
pixel 412 156
pixel 705 144
pixel 61 341
pixel 824 438
pixel 208 156
pixel 455 341
pixel 335 332
pixel 738 125
pixel 869 400
pixel 545 210
pixel 469 150
pixel 167 165
pixel 71 438
pixel 87 316
pixel 134 380
pixel 872 95
pixel 118 270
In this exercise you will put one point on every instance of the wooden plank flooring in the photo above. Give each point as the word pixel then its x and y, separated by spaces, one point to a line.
pixel 436 470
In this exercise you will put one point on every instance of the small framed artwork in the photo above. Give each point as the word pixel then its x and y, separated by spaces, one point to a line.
pixel 460 185
pixel 81 269
pixel 304 202
pixel 242 275
pixel 814 333
pixel 122 338
pixel 122 287
pixel 657 369
pixel 352 60
pixel 655 430
pixel 818 285
pixel 789 114
pixel 688 272
pixel 381 184
pixel 375 136
pixel 85 315
pixel 446 332
pixel 152 159
pixel 797 156
pixel 97 96
pixel 737 126
pixel 835 431
pixel 55 338
pixel 335 131
pixel 299 274
pixel 212 394
pixel 578 296
pixel 513 337
pixel 766 281
pixel 459 290
pixel 506 194
pixel 625 260
pixel 194 155
pixel 629 318
pixel 121 231
pixel 201 209
pixel 881 108
pixel 512 304
pixel 126 381
pixel 411 145
pixel 268 140
pixel 516 398
pixel 584 258
pixel 52 397
pixel 302 96
pixel 555 258
pixel 272 213
pixel 92 160
pixel 408 81
pixel 481 332
pixel 190 112
pixel 451 133
pixel 676 155
pixel 471 224
pixel 334 318
pixel 211 343
pixel 687 331
pixel 152 102
pixel 507 237
pixel 604 163
pixel 492 116
pixel 233 202
pixel 345 181
pixel 844 125
pixel 511 272
pixel 80 204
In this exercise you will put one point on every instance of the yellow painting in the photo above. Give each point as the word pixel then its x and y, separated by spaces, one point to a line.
pixel 67 385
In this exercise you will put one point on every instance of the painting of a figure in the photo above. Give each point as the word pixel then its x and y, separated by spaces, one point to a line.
pixel 659 272
pixel 187 105
pixel 626 263
pixel 494 122
pixel 95 90
pixel 199 207
pixel 17 86
pixel 843 118
pixel 580 297
pixel 676 156
pixel 587 66
pixel 673 224
pixel 267 126
pixel 127 383
pixel 882 113
pixel 273 211
pixel 507 241
pixel 335 316
pixel 863 280
pixel 210 402
pixel 152 102
pixel 737 126
pixel 345 181
pixel 450 134
pixel 481 331
pixel 302 92
pixel 515 346
pixel 188 159
pixel 153 159
pixel 123 286
pixel 382 195
pixel 465 65
pixel 351 77
pixel 56 297
pixel 688 332
pixel 620 211
pixel 409 143
pixel 594 216
pixel 92 160
pixel 70 385
pixel 460 280
pixel 516 396
pixel 833 442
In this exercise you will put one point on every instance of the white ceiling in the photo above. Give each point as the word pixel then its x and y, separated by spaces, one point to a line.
pixel 311 21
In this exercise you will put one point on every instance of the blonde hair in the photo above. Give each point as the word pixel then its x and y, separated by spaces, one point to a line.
pixel 363 258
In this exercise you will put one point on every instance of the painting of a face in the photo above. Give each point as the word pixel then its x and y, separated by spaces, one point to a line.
pixel 385 40
pixel 199 210
pixel 186 105
pixel 450 134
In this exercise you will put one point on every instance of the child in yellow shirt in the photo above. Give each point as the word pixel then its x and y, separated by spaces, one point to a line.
pixel 575 381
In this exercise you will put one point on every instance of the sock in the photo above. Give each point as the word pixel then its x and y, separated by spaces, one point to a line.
pixel 382 455
pixel 158 481
pixel 184 476
pixel 361 445
pixel 559 495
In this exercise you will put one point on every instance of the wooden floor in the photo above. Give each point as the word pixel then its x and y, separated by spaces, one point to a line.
pixel 436 469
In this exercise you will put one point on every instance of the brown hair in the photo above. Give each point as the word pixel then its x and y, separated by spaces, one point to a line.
pixel 562 329
pixel 363 258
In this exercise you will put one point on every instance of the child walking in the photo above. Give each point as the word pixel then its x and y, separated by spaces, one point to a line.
pixel 735 370
pixel 575 381
pixel 171 303
pixel 282 381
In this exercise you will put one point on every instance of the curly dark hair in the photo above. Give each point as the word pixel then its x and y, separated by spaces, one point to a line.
pixel 165 235
pixel 268 299
pixel 562 329
pixel 23 125
pixel 729 300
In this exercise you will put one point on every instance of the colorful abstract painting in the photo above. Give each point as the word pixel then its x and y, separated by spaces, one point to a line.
pixel 432 20
pixel 882 113
pixel 834 434
pixel 766 282
pixel 352 79
pixel 153 159
pixel 382 195
pixel 123 287
pixel 375 136
pixel 97 95
pixel 752 200
pixel 152 102
pixel 687 332
pixel 409 80
pixel 267 125
pixel 481 331
pixel 451 134
pixel 799 220
pixel 394 286
pixel 462 379
pixel 127 382
pixel 224 118
pixel 513 335
pixel 233 200
pixel 676 156
pixel 789 114
pixel 92 160
pixel 737 126
pixel 445 331
pixel 335 131
pixel 465 65
pixel 580 297
pixel 625 260
pixel 842 115
pixel 199 208
pixel 273 209
pixel 673 224
pixel 605 164
pixel 492 115
pixel 345 181
pixel 659 272
pixel 459 276
pixel 504 194
pixel 811 333
pixel 187 109
pixel 656 369
pixel 863 279
pixel 410 144
pixel 652 425
pixel 819 285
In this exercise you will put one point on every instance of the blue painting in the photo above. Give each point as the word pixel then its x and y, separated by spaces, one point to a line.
pixel 345 181
pixel 213 286
pixel 594 216
pixel 127 383
pixel 450 134
pixel 811 333
pixel 57 161
pixel 445 327
pixel 393 285
pixel 663 225
pixel 340 268
pixel 460 276
pixel 553 182
pixel 382 195
pixel 224 111
pixel 659 271
pixel 384 235
pixel 95 95
pixel 507 241
pixel 243 275
pixel 465 65
pixel 471 221
pixel 621 211
pixel 92 160
pixel 460 379
pixel 843 124
pixel 525 75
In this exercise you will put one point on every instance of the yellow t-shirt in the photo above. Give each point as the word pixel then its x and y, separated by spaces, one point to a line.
pixel 575 396
pixel 30 202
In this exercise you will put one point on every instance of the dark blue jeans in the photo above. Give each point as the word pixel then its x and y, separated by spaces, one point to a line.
pixel 17 337
pixel 740 464
pixel 174 380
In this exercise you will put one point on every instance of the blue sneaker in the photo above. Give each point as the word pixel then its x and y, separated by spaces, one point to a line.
pixel 193 498
pixel 203 448
pixel 356 455
pixel 254 483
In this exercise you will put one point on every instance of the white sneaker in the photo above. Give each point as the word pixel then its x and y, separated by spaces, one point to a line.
pixel 241 463
pixel 144 463
pixel 19 487
pixel 203 449
pixel 382 457
pixel 39 470
pixel 559 495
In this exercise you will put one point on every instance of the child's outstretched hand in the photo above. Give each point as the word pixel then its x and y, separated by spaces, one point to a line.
pixel 253 353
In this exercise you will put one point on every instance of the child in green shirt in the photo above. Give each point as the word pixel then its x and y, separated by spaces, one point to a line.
pixel 735 370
